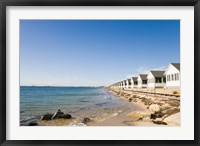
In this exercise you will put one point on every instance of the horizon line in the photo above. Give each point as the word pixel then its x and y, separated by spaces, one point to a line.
pixel 56 86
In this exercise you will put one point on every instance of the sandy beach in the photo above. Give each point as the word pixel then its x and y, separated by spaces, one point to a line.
pixel 120 107
pixel 147 110
pixel 122 119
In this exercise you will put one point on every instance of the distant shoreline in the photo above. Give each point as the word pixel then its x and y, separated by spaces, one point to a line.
pixel 67 86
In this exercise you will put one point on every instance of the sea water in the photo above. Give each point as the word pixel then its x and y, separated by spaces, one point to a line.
pixel 80 102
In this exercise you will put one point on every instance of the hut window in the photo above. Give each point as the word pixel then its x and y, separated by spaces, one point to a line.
pixel 158 80
pixel 144 81
pixel 164 80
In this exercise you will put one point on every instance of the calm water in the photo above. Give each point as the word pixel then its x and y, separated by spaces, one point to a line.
pixel 80 102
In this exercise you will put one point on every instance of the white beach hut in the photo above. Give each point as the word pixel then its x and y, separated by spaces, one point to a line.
pixel 156 79
pixel 173 75
pixel 122 84
pixel 128 81
pixel 142 81
pixel 134 82
pixel 125 84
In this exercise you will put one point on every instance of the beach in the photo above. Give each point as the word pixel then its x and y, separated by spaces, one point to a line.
pixel 97 107
pixel 122 119
pixel 158 108
pixel 75 105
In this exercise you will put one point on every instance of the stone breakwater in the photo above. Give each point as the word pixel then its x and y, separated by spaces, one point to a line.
pixel 161 110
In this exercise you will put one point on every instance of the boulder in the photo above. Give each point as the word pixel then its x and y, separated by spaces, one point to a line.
pixel 86 120
pixel 165 106
pixel 133 96
pixel 46 117
pixel 160 122
pixel 156 115
pixel 138 114
pixel 173 119
pixel 130 99
pixel 154 108
pixel 171 111
pixel 66 116
pixel 58 114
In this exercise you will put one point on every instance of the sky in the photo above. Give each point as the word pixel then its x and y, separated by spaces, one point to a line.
pixel 94 52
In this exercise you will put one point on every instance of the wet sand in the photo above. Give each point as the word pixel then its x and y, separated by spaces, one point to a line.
pixel 122 119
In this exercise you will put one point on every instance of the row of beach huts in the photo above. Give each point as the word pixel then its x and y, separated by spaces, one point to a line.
pixel 169 78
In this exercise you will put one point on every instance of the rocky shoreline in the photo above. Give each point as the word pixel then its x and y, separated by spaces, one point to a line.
pixel 161 110
pixel 56 117
pixel 143 110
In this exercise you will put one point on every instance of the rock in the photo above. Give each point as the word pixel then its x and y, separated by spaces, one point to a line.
pixel 140 119
pixel 34 123
pixel 174 103
pixel 86 120
pixel 130 99
pixel 138 114
pixel 46 117
pixel 171 111
pixel 165 106
pixel 58 114
pixel 156 115
pixel 134 96
pixel 66 116
pixel 153 116
pixel 154 108
pixel 173 119
pixel 160 122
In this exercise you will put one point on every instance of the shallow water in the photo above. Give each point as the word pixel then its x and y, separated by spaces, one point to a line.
pixel 81 102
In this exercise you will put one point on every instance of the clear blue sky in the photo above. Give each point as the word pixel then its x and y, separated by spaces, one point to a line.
pixel 94 52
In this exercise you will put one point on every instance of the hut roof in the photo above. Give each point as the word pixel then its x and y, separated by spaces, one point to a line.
pixel 157 73
pixel 143 76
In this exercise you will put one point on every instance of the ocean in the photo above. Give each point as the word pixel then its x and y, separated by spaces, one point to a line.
pixel 81 102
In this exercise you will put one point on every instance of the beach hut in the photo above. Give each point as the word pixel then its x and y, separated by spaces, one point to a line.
pixel 122 84
pixel 142 81
pixel 134 82
pixel 156 79
pixel 125 84
pixel 173 75
pixel 128 81
pixel 119 85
